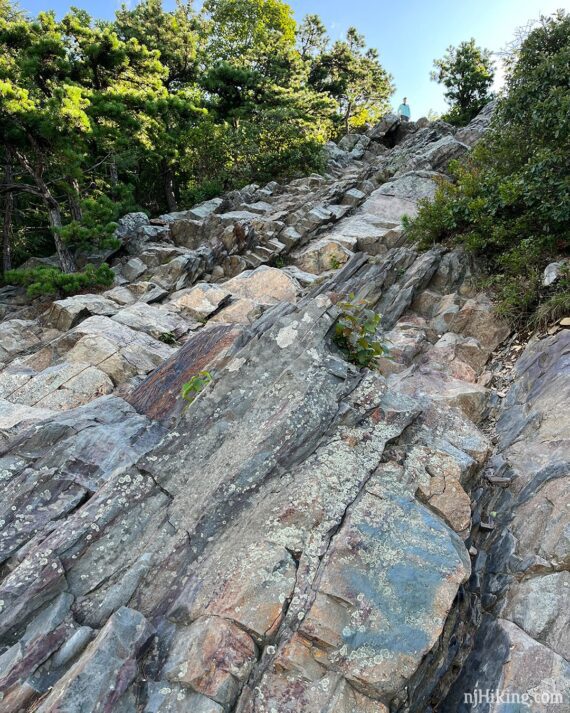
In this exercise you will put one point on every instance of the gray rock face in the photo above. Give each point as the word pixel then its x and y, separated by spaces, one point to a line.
pixel 106 669
pixel 18 336
pixel 51 470
pixel 129 224
pixel 412 186
pixel 524 579
pixel 471 133
pixel 303 508
pixel 298 538
pixel 65 314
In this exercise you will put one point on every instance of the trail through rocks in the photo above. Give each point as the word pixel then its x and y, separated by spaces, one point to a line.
pixel 305 536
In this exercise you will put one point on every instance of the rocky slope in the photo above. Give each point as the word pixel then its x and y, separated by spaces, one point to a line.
pixel 305 536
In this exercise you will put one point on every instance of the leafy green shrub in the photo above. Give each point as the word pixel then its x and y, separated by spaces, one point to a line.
pixel 510 200
pixel 51 281
pixel 97 224
pixel 195 385
pixel 355 331
pixel 168 338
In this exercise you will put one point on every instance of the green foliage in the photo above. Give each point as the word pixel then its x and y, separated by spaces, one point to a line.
pixel 195 385
pixel 97 225
pixel 168 338
pixel 335 263
pixel 510 201
pixel 467 74
pixel 553 309
pixel 161 107
pixel 352 76
pixel 355 332
pixel 50 281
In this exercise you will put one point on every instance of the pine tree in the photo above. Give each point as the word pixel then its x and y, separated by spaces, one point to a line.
pixel 467 72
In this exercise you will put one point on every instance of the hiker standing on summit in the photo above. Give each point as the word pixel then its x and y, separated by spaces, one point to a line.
pixel 404 110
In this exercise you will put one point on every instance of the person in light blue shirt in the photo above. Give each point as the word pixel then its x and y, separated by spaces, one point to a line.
pixel 404 110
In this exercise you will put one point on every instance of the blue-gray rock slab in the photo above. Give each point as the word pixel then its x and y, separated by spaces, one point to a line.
pixel 392 574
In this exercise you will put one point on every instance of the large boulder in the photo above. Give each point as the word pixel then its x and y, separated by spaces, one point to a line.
pixel 129 224
pixel 240 311
pixel 263 286
pixel 387 124
pixel 158 322
pixel 187 232
pixel 133 269
pixel 322 255
pixel 200 301
pixel 414 185
pixel 390 208
pixel 65 314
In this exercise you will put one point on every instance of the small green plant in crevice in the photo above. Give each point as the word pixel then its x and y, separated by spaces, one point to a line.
pixel 279 262
pixel 335 263
pixel 168 338
pixel 195 386
pixel 355 332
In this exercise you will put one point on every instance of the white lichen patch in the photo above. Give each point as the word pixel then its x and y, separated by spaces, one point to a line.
pixel 287 335
pixel 235 364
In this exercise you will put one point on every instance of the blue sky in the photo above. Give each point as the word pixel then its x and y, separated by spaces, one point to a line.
pixel 408 34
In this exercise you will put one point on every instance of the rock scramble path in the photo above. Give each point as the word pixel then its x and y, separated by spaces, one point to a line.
pixel 306 537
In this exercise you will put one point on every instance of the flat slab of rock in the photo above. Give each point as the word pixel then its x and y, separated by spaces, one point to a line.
pixel 158 322
pixel 322 255
pixel 200 301
pixel 116 349
pixel 388 207
pixel 63 386
pixel 20 335
pixel 158 397
pixel 393 573
pixel 12 415
pixel 412 186
pixel 65 314
pixel 264 286
pixel 240 311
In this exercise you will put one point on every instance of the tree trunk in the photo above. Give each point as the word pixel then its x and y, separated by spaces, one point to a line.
pixel 65 257
pixel 113 173
pixel 168 178
pixel 347 118
pixel 54 212
pixel 7 224
pixel 74 201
